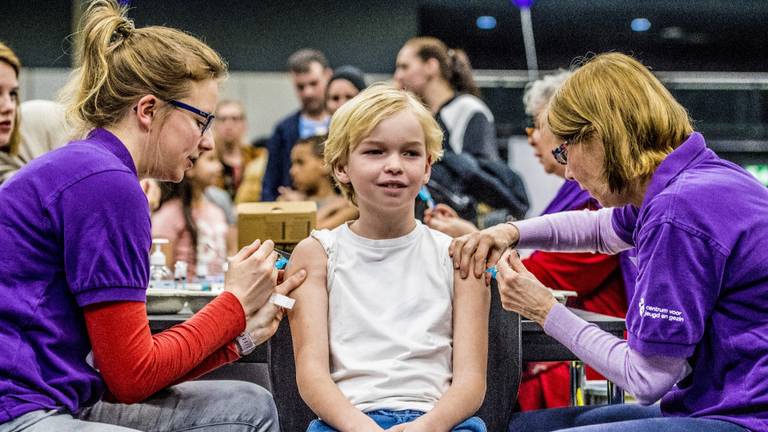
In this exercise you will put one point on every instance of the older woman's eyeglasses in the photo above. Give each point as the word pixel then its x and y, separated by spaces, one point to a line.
pixel 530 126
pixel 561 153
pixel 208 117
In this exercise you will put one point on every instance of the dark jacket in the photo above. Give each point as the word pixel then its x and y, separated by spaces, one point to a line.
pixel 279 164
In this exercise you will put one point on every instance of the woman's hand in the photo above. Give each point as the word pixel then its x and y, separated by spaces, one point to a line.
pixel 264 323
pixel 481 250
pixel 446 220
pixel 251 276
pixel 520 291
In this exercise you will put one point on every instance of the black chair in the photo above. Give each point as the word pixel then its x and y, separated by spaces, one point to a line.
pixel 504 368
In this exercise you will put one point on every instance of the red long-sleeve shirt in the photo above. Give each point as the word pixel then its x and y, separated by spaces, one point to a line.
pixel 136 364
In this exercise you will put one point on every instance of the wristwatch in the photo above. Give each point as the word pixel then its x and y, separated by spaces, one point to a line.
pixel 245 344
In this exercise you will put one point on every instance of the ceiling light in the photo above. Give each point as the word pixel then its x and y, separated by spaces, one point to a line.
pixel 640 24
pixel 486 22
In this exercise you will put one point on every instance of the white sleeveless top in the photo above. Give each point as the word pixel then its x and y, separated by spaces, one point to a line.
pixel 390 317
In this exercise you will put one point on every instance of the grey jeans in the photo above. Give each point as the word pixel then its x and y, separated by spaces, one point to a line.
pixel 211 406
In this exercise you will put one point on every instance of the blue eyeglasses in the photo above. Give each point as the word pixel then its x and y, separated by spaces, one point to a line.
pixel 207 116
pixel 561 153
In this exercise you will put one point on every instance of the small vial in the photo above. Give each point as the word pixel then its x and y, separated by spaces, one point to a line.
pixel 180 274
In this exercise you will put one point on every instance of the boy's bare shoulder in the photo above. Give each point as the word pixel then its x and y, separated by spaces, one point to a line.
pixel 309 253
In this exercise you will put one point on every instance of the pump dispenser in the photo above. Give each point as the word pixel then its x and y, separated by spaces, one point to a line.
pixel 159 275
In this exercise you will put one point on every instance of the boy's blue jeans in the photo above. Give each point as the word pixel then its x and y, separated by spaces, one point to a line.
pixel 387 418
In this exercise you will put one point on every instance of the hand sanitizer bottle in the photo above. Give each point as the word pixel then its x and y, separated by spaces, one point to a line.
pixel 159 275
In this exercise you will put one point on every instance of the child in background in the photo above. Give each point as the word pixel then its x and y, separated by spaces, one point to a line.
pixel 196 228
pixel 385 333
pixel 313 182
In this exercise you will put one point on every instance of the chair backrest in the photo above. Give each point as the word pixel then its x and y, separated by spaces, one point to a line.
pixel 504 365
pixel 504 369
pixel 294 414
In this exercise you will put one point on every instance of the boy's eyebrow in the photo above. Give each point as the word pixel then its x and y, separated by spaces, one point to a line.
pixel 375 141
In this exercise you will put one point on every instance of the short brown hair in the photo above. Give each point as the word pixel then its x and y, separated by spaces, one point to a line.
pixel 301 60
pixel 120 63
pixel 8 57
pixel 615 98
pixel 356 119
pixel 316 143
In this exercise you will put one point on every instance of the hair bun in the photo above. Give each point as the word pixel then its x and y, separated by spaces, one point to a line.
pixel 122 32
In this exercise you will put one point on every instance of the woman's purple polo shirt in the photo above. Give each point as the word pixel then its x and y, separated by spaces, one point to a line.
pixel 702 290
pixel 74 231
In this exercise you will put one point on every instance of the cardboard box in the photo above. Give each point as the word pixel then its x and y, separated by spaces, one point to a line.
pixel 285 223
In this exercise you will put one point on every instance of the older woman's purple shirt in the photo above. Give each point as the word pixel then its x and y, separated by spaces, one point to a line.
pixel 702 292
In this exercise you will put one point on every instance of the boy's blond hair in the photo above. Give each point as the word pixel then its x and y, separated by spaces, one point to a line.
pixel 356 119
pixel 615 98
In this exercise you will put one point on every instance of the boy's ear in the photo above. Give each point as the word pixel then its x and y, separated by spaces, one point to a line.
pixel 340 172
pixel 428 170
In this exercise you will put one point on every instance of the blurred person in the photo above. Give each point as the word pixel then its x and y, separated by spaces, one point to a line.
pixel 10 138
pixel 347 81
pixel 197 229
pixel 229 133
pixel 253 174
pixel 697 322
pixel 310 73
pixel 443 79
pixel 76 351
pixel 314 182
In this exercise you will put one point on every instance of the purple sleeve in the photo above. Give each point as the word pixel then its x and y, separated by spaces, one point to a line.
pixel 572 231
pixel 646 378
pixel 104 228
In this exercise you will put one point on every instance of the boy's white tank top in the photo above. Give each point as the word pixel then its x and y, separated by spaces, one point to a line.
pixel 390 309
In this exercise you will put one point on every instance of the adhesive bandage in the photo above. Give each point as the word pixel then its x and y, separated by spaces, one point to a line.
pixel 282 301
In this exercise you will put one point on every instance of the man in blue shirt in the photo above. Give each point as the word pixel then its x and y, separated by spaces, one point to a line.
pixel 310 73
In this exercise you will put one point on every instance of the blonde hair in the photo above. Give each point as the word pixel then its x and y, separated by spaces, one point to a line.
pixel 120 64
pixel 8 57
pixel 614 98
pixel 356 119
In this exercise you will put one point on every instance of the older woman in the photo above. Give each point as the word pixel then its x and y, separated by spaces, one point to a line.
pixel 698 320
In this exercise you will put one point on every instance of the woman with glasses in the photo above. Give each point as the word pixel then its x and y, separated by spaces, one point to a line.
pixel 76 352
pixel 697 323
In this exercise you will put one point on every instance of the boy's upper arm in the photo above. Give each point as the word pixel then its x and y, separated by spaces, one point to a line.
pixel 471 306
pixel 309 317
